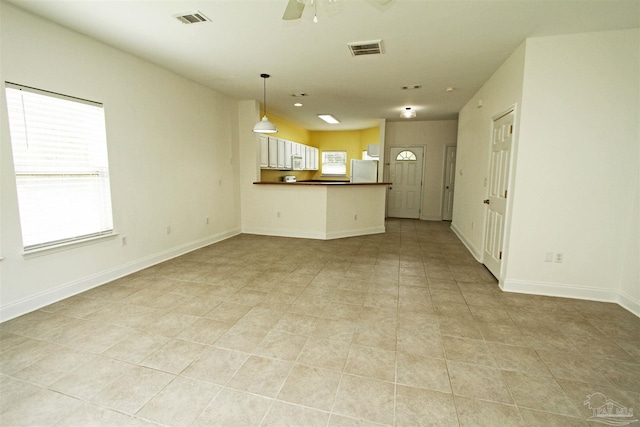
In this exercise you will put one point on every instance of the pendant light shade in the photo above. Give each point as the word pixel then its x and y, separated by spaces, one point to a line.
pixel 264 125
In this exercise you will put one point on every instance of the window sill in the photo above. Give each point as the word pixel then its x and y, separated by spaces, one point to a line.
pixel 34 253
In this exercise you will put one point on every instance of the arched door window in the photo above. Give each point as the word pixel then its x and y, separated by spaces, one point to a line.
pixel 406 156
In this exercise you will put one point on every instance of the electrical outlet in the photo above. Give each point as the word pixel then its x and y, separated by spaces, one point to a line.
pixel 168 229
pixel 124 241
pixel 206 221
pixel 559 257
pixel 355 217
pixel 278 214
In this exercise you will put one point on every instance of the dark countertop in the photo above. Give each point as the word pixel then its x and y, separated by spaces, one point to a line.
pixel 322 183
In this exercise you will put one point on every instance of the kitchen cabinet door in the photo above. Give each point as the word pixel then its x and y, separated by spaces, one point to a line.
pixel 264 151
pixel 287 154
pixel 308 157
pixel 280 153
pixel 303 154
pixel 314 163
pixel 273 152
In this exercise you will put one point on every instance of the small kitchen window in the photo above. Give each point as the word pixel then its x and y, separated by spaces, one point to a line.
pixel 334 163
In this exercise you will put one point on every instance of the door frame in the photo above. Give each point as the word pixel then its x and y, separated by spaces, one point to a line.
pixel 387 173
pixel 511 180
pixel 444 178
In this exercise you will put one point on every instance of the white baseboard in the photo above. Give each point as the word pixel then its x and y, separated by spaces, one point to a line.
pixel 470 246
pixel 572 291
pixel 300 234
pixel 354 233
pixel 304 234
pixel 629 303
pixel 75 287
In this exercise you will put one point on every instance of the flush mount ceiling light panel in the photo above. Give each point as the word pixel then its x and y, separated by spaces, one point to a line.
pixel 408 113
pixel 372 47
pixel 329 119
pixel 192 17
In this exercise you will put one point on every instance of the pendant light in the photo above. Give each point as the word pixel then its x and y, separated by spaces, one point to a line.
pixel 264 125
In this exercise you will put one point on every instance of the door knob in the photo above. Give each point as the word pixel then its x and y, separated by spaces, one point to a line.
pixel 486 202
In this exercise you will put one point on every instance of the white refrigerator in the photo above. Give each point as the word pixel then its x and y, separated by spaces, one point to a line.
pixel 364 171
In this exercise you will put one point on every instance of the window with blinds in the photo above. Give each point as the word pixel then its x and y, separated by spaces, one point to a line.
pixel 62 173
pixel 334 163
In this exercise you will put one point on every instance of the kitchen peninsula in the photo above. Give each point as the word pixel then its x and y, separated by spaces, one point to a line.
pixel 320 209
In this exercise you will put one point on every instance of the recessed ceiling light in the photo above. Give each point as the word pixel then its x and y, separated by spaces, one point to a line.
pixel 329 118
pixel 450 89
pixel 297 104
pixel 408 113
pixel 411 87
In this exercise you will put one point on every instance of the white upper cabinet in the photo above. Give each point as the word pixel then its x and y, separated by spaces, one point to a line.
pixel 280 154
pixel 264 151
pixel 287 154
pixel 277 153
pixel 273 152
pixel 316 155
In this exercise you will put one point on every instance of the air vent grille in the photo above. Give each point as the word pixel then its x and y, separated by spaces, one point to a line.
pixel 373 47
pixel 192 18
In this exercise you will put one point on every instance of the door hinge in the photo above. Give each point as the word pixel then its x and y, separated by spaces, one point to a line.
pixel 505 194
pixel 500 256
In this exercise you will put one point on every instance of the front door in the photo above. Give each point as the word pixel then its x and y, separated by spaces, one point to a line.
pixel 449 182
pixel 498 191
pixel 405 174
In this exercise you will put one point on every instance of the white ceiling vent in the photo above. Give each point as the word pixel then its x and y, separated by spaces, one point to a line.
pixel 192 18
pixel 373 47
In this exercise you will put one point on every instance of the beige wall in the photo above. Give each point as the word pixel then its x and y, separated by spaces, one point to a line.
pixel 435 136
pixel 578 165
pixel 576 161
pixel 501 92
pixel 173 157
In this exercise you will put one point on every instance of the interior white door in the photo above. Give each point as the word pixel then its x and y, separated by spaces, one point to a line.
pixel 405 174
pixel 449 183
pixel 498 191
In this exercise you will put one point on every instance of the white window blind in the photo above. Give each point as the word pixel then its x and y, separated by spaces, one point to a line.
pixel 62 173
pixel 334 163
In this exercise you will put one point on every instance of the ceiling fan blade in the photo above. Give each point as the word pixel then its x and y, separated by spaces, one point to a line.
pixel 293 11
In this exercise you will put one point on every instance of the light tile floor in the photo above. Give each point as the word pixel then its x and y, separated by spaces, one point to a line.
pixel 403 328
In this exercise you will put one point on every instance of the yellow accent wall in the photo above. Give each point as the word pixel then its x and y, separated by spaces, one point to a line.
pixel 291 132
pixel 353 142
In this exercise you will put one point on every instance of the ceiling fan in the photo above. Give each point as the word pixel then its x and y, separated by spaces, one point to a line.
pixel 296 7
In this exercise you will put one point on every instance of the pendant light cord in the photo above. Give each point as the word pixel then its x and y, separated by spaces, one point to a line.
pixel 264 90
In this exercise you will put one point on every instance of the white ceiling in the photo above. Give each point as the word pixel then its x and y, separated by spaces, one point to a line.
pixel 437 44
